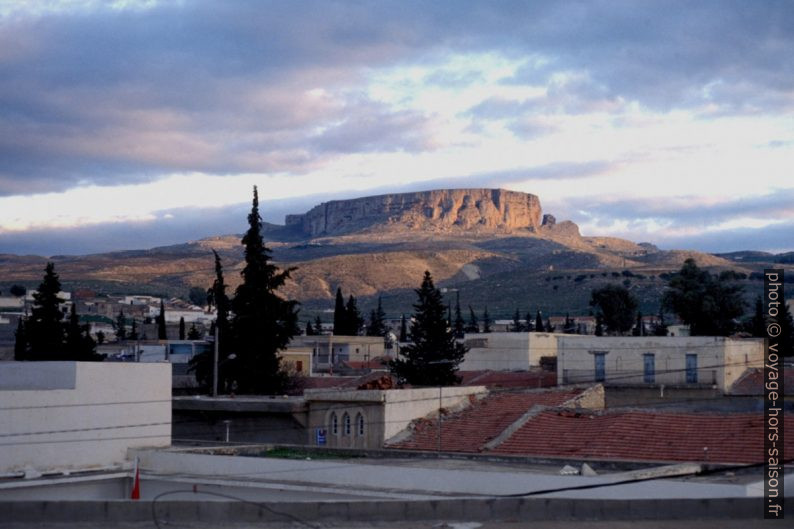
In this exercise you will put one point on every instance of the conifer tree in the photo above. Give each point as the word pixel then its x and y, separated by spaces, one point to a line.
pixel 433 356
pixel 318 326
pixel 20 341
pixel 309 329
pixel 264 323
pixel 528 319
pixel 377 321
pixel 353 317
pixel 44 329
pixel 121 327
pixel 403 329
pixel 474 325
pixel 517 325
pixel 539 327
pixel 486 320
pixel 133 330
pixel 340 314
pixel 639 327
pixel 181 328
pixel 459 326
pixel 193 333
pixel 161 330
pixel 756 326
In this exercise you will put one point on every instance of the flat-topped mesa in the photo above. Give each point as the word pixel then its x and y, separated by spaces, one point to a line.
pixel 482 210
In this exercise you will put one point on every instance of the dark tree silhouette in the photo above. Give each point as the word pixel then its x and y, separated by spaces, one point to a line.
pixel 377 321
pixel 181 328
pixel 121 326
pixel 486 321
pixel 161 330
pixel 264 323
pixel 433 356
pixel 20 341
pixel 474 325
pixel 617 307
pixel 539 327
pixel 403 329
pixel 517 325
pixel 459 326
pixel 340 314
pixel 44 327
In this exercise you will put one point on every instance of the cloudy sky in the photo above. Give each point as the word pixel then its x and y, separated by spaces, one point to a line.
pixel 131 124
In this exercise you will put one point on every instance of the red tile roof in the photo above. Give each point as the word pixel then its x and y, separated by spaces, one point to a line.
pixel 644 436
pixel 471 428
pixel 509 379
pixel 752 382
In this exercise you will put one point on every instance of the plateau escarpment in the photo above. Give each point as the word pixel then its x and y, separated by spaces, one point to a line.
pixel 479 210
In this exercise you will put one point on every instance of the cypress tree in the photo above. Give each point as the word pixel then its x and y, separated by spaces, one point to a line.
pixel 403 329
pixel 352 317
pixel 377 321
pixel 161 331
pixel 264 323
pixel 309 329
pixel 459 326
pixel 133 330
pixel 474 325
pixel 45 331
pixel 20 341
pixel 340 314
pixel 318 326
pixel 181 328
pixel 121 327
pixel 517 326
pixel 433 356
pixel 528 319
pixel 486 321
pixel 539 327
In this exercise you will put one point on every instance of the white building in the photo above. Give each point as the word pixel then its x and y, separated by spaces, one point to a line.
pixel 507 351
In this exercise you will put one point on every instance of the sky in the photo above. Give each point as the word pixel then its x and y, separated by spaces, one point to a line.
pixel 134 124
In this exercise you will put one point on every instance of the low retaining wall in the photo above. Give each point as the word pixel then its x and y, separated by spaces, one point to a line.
pixel 496 509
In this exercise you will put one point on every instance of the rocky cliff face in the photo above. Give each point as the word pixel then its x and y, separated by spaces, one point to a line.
pixel 496 210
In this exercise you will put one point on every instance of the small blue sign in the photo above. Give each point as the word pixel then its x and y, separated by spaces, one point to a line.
pixel 320 436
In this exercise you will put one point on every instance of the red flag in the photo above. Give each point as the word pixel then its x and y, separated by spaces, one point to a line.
pixel 136 485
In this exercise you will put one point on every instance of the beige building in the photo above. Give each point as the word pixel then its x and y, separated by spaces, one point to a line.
pixel 330 351
pixel 368 418
pixel 693 361
pixel 507 351
pixel 297 360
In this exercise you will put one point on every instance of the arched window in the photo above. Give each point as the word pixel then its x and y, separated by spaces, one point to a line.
pixel 359 424
pixel 334 424
pixel 345 424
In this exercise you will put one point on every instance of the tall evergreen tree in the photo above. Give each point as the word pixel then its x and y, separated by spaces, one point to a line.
pixel 318 326
pixel 340 314
pixel 181 328
pixel 20 341
pixel 121 326
pixel 459 326
pixel 528 318
pixel 570 325
pixel 486 321
pixel 599 325
pixel 433 356
pixel 403 329
pixel 659 326
pixel 133 330
pixel 45 330
pixel 309 329
pixel 474 325
pixel 264 323
pixel 756 326
pixel 377 321
pixel 639 327
pixel 161 329
pixel 352 317
pixel 539 327
pixel 193 333
pixel 517 325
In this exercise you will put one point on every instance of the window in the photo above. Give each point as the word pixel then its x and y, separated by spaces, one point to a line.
pixel 691 369
pixel 299 366
pixel 360 424
pixel 600 366
pixel 346 424
pixel 649 368
pixel 334 424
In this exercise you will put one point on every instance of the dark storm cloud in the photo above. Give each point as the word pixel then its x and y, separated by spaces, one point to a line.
pixel 118 96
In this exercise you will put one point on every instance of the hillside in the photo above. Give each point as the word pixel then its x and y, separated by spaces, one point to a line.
pixel 493 247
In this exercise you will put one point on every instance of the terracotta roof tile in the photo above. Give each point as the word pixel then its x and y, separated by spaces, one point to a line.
pixel 644 436
pixel 509 379
pixel 470 429
pixel 752 382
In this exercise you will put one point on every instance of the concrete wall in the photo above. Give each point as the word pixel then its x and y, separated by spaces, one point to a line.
pixel 720 361
pixel 507 351
pixel 81 415
pixel 385 412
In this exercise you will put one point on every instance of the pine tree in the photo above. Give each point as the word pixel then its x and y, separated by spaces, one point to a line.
pixel 264 323
pixel 486 321
pixel 73 335
pixel 352 317
pixel 181 328
pixel 433 356
pixel 121 327
pixel 474 325
pixel 403 329
pixel 44 329
pixel 161 330
pixel 517 325
pixel 20 341
pixel 340 314
pixel 309 329
pixel 133 330
pixel 193 333
pixel 459 326
pixel 539 327
pixel 377 321
pixel 528 319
